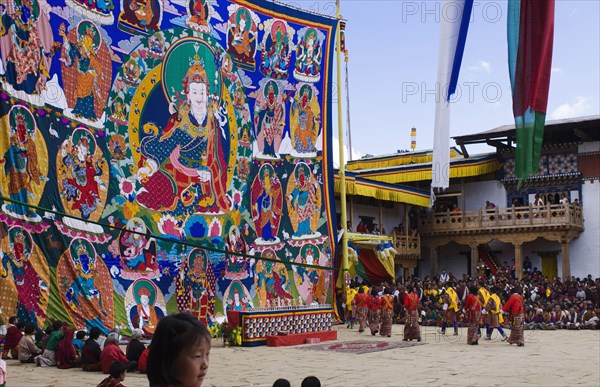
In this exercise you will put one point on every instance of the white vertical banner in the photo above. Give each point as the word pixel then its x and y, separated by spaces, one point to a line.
pixel 455 15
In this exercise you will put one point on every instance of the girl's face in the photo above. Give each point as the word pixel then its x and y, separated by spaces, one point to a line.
pixel 191 365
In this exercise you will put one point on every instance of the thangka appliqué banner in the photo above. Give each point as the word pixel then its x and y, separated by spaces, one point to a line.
pixel 135 132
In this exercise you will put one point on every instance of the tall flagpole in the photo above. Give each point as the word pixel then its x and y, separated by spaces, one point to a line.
pixel 348 105
pixel 342 171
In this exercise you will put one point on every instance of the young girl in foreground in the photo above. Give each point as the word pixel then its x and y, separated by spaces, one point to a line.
pixel 178 353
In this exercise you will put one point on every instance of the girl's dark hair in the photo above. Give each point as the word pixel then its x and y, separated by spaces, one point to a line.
pixel 174 334
pixel 282 383
pixel 94 333
pixel 57 325
pixel 117 368
pixel 29 328
pixel 311 381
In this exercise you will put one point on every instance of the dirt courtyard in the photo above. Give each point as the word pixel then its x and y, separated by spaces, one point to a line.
pixel 549 358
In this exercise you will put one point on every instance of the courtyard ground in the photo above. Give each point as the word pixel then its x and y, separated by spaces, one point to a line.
pixel 549 358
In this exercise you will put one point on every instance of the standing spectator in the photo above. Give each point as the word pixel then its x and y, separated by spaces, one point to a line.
pixel 444 277
pixel 527 265
pixel 538 200
pixel 462 291
pixel 564 200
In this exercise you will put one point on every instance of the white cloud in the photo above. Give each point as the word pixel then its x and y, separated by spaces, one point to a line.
pixel 556 70
pixel 356 154
pixel 580 107
pixel 482 66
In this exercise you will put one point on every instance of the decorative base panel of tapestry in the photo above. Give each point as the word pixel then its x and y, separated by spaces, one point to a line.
pixel 361 346
pixel 258 325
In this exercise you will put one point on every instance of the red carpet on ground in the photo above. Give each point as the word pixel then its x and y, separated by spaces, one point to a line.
pixel 361 346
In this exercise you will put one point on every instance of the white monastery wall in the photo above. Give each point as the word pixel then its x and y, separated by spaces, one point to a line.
pixel 477 193
pixel 585 250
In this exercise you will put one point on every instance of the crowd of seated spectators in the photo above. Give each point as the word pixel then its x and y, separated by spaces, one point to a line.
pixel 59 345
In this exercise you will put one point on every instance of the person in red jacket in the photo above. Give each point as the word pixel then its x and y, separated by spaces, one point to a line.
pixel 387 313
pixel 515 306
pixel 13 336
pixel 412 330
pixel 374 312
pixel 361 302
pixel 143 361
pixel 112 352
pixel 472 311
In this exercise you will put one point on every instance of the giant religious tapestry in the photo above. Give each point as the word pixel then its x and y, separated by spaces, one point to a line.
pixel 162 156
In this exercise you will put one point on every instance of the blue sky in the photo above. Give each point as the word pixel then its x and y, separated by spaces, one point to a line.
pixel 393 48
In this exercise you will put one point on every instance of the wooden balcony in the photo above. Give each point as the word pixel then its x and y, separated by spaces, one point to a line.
pixel 554 217
pixel 408 246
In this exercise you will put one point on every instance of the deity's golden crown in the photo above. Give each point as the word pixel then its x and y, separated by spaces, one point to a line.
pixel 81 249
pixel 196 72
pixel 20 236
